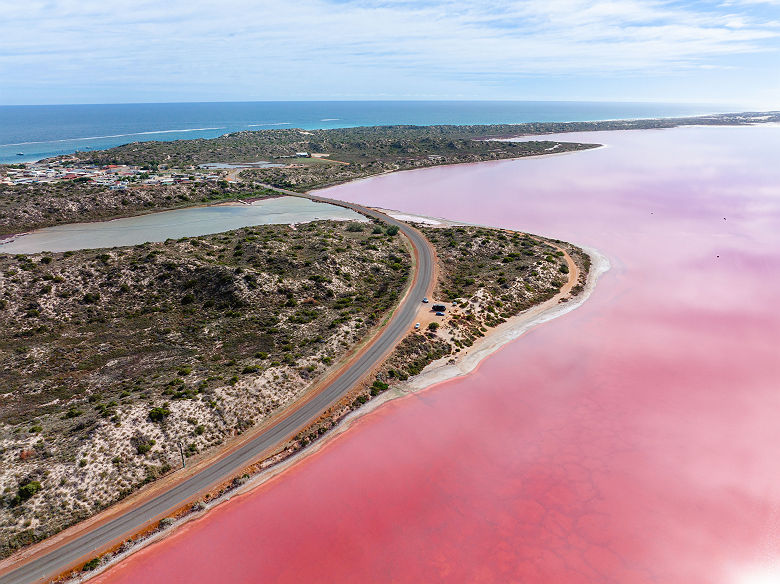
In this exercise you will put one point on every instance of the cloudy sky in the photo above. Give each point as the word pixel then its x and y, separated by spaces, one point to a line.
pixel 93 51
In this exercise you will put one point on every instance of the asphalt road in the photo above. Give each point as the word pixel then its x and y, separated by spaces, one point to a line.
pixel 64 556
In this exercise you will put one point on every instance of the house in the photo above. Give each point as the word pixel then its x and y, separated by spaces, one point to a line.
pixel 302 154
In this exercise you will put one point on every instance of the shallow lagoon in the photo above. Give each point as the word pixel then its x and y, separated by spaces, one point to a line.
pixel 634 440
pixel 190 222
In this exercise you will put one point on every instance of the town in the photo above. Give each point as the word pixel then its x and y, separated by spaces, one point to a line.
pixel 112 176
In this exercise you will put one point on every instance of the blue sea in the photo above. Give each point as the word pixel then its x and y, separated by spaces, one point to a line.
pixel 33 132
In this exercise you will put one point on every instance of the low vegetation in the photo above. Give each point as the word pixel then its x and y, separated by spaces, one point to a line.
pixel 113 358
pixel 487 276
pixel 362 145
pixel 358 146
pixel 377 156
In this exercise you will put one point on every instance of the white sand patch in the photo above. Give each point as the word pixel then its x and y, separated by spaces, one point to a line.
pixel 448 367
pixel 412 218
pixel 466 361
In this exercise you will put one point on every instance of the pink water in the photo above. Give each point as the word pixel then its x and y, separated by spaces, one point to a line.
pixel 636 439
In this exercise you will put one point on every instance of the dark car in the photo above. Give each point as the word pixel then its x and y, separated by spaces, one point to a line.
pixel 439 314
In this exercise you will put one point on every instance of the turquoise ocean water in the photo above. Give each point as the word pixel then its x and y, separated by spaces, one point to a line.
pixel 35 132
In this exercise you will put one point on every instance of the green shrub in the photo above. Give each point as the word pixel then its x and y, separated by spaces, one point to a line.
pixel 159 414
pixel 27 490
pixel 91 565
pixel 144 446
pixel 90 298
pixel 378 387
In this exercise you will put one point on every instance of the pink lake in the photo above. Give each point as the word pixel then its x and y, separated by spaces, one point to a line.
pixel 633 440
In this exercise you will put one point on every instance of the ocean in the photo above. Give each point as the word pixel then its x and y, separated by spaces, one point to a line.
pixel 33 132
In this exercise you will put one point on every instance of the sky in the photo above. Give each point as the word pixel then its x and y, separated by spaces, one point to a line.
pixel 93 51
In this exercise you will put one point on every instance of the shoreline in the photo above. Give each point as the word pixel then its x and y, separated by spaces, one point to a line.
pixel 432 376
pixel 274 466
pixel 9 237
pixel 248 202
pixel 449 368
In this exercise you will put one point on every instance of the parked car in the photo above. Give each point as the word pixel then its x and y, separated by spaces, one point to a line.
pixel 417 325
pixel 439 314
pixel 425 300
pixel 438 308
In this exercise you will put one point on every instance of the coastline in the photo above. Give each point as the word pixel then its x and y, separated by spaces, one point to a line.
pixel 433 375
pixel 10 237
pixel 448 368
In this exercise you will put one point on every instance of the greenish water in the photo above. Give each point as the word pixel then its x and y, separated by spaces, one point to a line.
pixel 164 225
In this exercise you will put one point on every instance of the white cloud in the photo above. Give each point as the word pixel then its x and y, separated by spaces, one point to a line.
pixel 267 42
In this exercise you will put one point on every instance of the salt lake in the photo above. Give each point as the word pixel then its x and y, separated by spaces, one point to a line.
pixel 634 440
pixel 189 222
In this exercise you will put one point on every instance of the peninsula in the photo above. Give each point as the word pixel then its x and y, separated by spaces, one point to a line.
pixel 122 365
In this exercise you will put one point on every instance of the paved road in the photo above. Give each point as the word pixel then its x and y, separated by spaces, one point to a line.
pixel 64 556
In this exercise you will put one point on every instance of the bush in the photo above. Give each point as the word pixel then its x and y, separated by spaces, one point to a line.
pixel 392 230
pixel 90 298
pixel 91 565
pixel 145 447
pixel 142 444
pixel 159 414
pixel 359 401
pixel 29 489
pixel 378 387
pixel 355 227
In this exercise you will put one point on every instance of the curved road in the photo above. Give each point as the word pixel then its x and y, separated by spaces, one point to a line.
pixel 82 547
